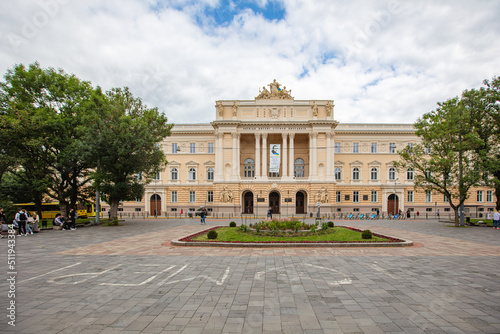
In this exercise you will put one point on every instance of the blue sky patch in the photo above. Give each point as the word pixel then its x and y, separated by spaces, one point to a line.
pixel 225 11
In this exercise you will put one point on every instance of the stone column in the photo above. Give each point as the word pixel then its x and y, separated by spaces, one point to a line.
pixel 284 157
pixel 329 162
pixel 257 155
pixel 265 172
pixel 313 147
pixel 291 155
pixel 219 159
pixel 235 158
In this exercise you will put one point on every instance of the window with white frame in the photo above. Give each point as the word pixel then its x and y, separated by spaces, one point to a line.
pixel 192 147
pixel 428 149
pixel 192 173
pixel 410 147
pixel 174 174
pixel 355 173
pixel 409 196
pixel 192 197
pixel 355 147
pixel 338 173
pixel 428 174
pixel 489 196
pixel 337 148
pixel 374 173
pixel 374 196
pixel 249 168
pixel 392 147
pixel 374 147
pixel 480 196
pixel 392 173
pixel 355 196
pixel 175 148
pixel 210 173
pixel 446 199
pixel 210 148
pixel 428 196
pixel 409 174
pixel 157 177
pixel 338 196
pixel 299 168
pixel 173 196
pixel 210 197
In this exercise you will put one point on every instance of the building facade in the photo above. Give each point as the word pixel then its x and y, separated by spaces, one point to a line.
pixel 293 157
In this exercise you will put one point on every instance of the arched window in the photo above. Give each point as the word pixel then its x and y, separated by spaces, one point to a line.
pixel 174 174
pixel 249 168
pixel 210 173
pixel 392 173
pixel 374 173
pixel 355 173
pixel 192 173
pixel 338 173
pixel 299 168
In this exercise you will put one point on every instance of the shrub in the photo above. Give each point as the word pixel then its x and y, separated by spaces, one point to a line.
pixel 330 224
pixel 367 234
pixel 112 222
pixel 243 227
pixel 297 227
pixel 324 226
pixel 257 227
pixel 313 228
pixel 212 234
pixel 232 224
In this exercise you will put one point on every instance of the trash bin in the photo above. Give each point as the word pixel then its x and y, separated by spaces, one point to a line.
pixel 190 215
pixel 310 214
pixel 467 220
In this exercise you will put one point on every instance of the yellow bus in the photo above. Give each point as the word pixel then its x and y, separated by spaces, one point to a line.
pixel 49 210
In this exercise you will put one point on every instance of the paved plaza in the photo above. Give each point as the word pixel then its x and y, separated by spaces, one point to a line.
pixel 130 279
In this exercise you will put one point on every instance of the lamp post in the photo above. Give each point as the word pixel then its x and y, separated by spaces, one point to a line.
pixel 396 204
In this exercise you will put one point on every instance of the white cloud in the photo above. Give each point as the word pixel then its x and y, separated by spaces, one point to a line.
pixel 385 61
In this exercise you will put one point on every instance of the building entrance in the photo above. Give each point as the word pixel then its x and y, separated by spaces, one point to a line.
pixel 299 202
pixel 392 204
pixel 274 202
pixel 155 204
pixel 248 202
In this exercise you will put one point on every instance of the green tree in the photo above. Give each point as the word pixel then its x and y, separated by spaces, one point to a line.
pixel 445 160
pixel 484 107
pixel 42 112
pixel 125 141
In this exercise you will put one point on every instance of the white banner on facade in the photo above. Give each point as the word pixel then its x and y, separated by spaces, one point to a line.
pixel 274 158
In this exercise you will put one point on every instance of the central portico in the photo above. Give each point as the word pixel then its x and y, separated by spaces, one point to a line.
pixel 275 152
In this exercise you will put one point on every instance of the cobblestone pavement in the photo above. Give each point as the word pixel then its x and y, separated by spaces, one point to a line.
pixel 129 279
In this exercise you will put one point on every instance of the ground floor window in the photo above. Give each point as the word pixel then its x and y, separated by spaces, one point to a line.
pixel 409 197
pixel 489 196
pixel 210 197
pixel 355 196
pixel 192 197
pixel 337 197
pixel 374 196
pixel 173 197
pixel 138 209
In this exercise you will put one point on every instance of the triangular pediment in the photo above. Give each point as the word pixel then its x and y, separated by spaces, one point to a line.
pixel 209 163
pixel 191 163
pixel 173 163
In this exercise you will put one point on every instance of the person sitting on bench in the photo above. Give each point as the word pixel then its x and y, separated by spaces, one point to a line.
pixel 60 221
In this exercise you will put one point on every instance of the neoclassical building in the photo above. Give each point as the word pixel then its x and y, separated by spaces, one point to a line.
pixel 292 156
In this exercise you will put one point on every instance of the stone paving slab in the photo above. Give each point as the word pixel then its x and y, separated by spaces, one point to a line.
pixel 123 279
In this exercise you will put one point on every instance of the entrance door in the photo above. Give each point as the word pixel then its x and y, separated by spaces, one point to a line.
pixel 155 204
pixel 299 202
pixel 274 202
pixel 392 204
pixel 248 201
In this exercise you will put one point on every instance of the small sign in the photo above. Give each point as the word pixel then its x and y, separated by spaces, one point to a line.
pixel 260 199
pixel 288 200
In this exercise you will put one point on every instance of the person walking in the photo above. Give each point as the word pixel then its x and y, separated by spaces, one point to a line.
pixel 496 220
pixel 270 213
pixel 21 220
pixel 203 216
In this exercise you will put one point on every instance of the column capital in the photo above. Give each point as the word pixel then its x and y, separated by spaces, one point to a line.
pixel 329 135
pixel 235 135
pixel 257 135
pixel 264 136
pixel 313 134
pixel 292 135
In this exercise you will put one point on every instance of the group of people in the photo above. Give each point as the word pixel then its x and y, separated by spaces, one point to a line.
pixel 27 224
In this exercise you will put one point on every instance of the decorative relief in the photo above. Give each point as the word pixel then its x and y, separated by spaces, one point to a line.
pixel 315 109
pixel 220 108
pixel 226 195
pixel 275 92
pixel 274 113
pixel 235 109
pixel 322 195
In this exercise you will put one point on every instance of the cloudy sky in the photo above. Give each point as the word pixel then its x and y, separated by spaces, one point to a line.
pixel 382 61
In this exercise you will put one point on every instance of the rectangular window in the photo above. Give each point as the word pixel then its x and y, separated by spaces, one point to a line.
pixel 480 196
pixel 137 209
pixel 410 147
pixel 428 196
pixel 374 147
pixel 347 197
pixel 138 200
pixel 210 147
pixel 409 174
pixel 446 199
pixel 192 147
pixel 355 196
pixel 173 196
pixel 210 197
pixel 392 147
pixel 409 196
pixel 489 196
pixel 157 177
pixel 374 196
pixel 337 147
pixel 192 197
pixel 173 209
pixel 428 149
pixel 428 209
pixel 337 197
pixel 355 147
pixel 175 148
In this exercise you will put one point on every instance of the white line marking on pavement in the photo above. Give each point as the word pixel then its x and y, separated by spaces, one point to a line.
pixel 383 271
pixel 169 277
pixel 139 284
pixel 91 275
pixel 346 280
pixel 50 272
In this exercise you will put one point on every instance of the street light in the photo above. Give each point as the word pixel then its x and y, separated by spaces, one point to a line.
pixel 396 204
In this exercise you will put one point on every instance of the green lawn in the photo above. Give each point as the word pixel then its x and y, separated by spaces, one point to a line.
pixel 331 234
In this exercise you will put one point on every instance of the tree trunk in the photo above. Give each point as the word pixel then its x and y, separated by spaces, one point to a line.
pixel 113 209
pixel 457 219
